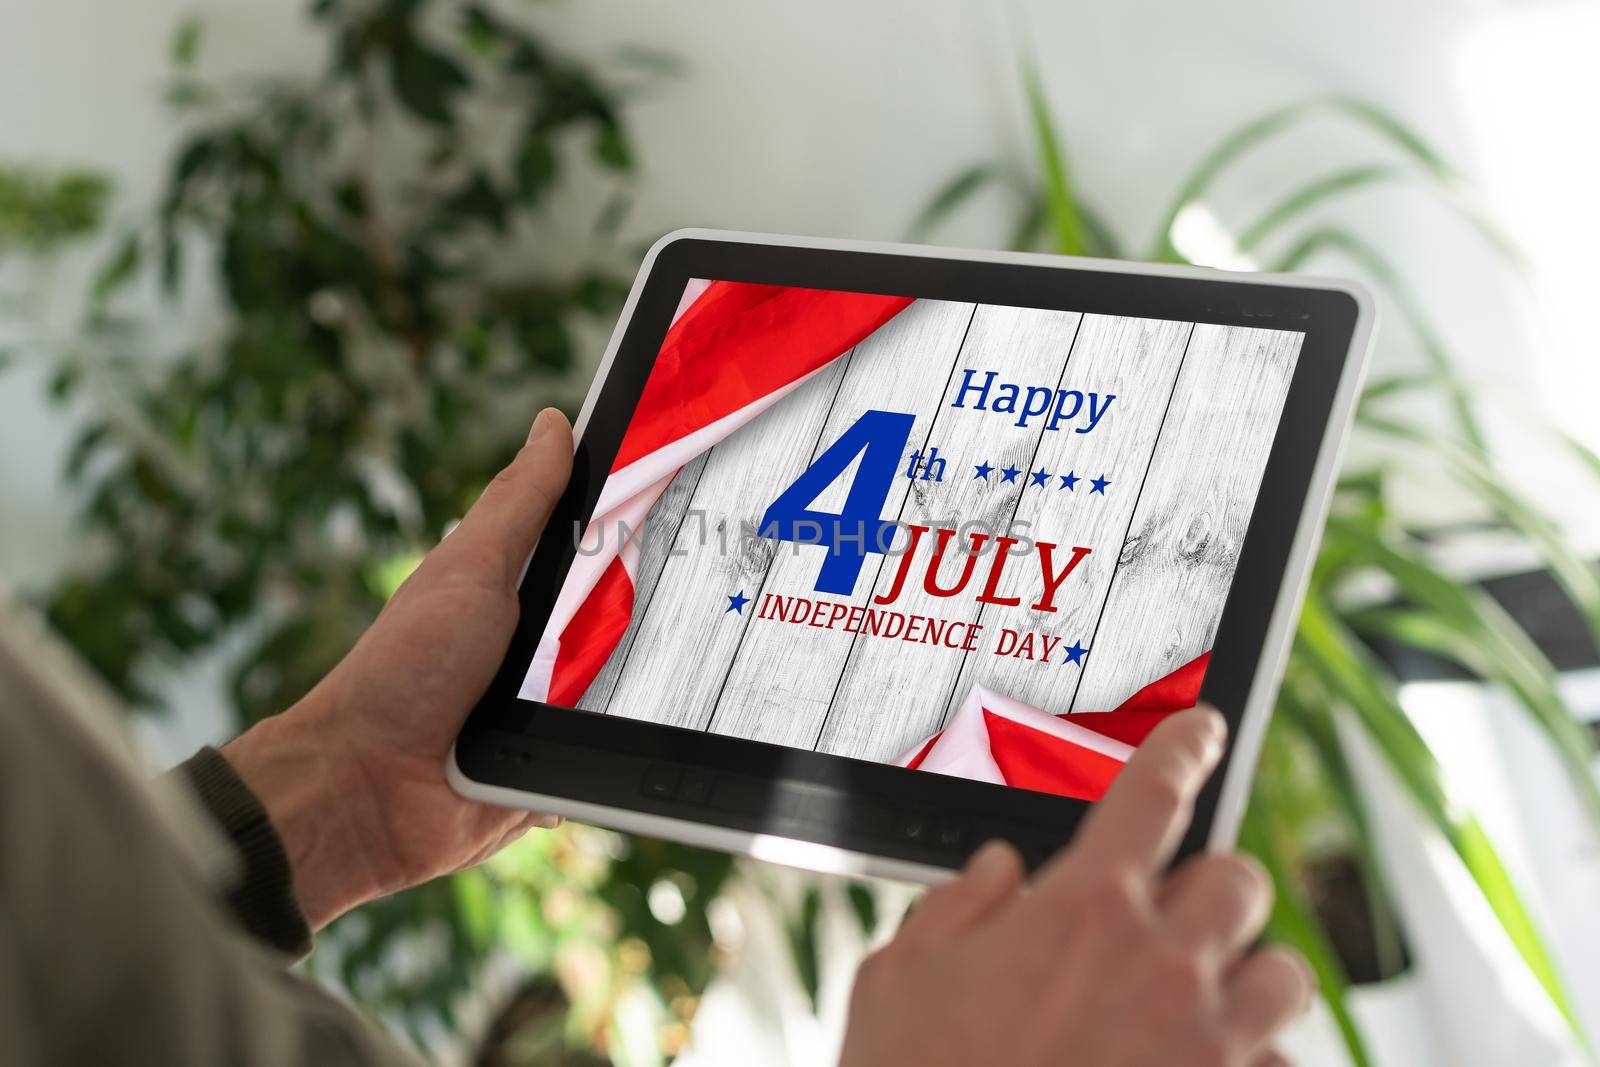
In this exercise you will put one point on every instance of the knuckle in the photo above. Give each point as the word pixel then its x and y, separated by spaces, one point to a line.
pixel 1111 896
pixel 1180 978
pixel 1209 1050
pixel 1239 877
pixel 1167 788
pixel 510 475
pixel 1293 973
pixel 876 971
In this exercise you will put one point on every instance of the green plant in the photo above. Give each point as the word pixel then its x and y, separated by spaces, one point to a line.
pixel 391 245
pixel 42 210
pixel 1306 809
pixel 42 213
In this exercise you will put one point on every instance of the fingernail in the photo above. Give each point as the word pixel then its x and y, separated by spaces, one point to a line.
pixel 1311 983
pixel 989 858
pixel 1216 728
pixel 984 856
pixel 541 425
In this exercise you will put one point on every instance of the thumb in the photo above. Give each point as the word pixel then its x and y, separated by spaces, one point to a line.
pixel 499 531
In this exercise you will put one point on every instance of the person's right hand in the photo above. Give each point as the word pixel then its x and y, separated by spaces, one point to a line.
pixel 1102 960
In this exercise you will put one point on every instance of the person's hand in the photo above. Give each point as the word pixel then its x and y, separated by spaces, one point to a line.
pixel 353 775
pixel 1101 960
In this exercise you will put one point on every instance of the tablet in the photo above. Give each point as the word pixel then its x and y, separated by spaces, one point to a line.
pixel 874 552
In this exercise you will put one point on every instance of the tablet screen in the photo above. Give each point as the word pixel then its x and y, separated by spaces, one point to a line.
pixel 973 539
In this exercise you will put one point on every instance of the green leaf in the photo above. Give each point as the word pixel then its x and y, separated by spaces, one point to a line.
pixel 803 944
pixel 1388 129
pixel 1383 388
pixel 612 148
pixel 1468 626
pixel 1293 923
pixel 864 905
pixel 950 197
pixel 425 81
pixel 1586 455
pixel 534 166
pixel 1100 239
pixel 1576 575
pixel 186 41
pixel 481 29
pixel 475 903
pixel 1065 222
pixel 63 381
pixel 117 270
pixel 612 215
pixel 1353 677
pixel 1311 720
pixel 479 201
pixel 1029 228
pixel 1312 194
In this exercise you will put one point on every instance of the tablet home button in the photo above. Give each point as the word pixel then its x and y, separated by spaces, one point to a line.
pixel 695 787
pixel 660 781
pixel 914 827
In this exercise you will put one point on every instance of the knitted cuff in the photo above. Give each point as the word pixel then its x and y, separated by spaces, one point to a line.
pixel 263 901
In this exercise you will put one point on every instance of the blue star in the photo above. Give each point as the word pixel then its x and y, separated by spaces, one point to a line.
pixel 736 603
pixel 1009 474
pixel 1076 653
pixel 1040 478
pixel 1099 485
pixel 1069 481
pixel 984 470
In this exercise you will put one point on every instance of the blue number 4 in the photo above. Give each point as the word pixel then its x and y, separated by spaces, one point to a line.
pixel 858 528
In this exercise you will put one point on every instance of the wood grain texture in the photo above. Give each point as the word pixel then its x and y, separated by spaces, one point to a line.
pixel 686 640
pixel 783 676
pixel 1137 360
pixel 893 693
pixel 660 532
pixel 1183 545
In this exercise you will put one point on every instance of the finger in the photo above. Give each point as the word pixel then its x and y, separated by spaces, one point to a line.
pixel 992 876
pixel 538 820
pixel 1138 824
pixel 1267 992
pixel 1273 1058
pixel 500 530
pixel 1217 903
pixel 517 831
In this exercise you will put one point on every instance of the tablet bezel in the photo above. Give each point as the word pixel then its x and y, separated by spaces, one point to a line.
pixel 513 751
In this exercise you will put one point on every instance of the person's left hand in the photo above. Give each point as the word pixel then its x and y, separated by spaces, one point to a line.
pixel 352 776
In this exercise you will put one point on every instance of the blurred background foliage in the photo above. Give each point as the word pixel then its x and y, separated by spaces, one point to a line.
pixel 42 210
pixel 394 308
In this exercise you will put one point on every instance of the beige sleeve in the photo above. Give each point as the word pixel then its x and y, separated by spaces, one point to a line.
pixel 114 946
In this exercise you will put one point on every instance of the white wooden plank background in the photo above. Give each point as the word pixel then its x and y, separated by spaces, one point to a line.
pixel 1137 360
pixel 1183 545
pixel 1165 535
pixel 687 639
pixel 905 684
pixel 782 678
pixel 660 533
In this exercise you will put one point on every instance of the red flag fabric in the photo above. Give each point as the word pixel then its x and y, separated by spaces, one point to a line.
pixel 729 355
